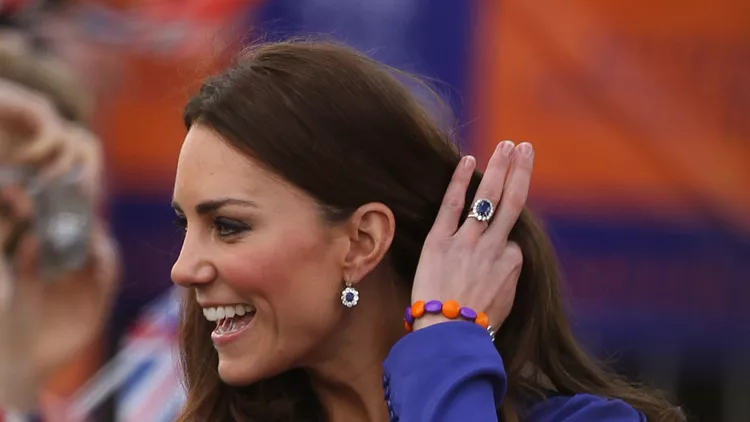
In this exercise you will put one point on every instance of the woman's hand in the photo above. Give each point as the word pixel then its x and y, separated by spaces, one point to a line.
pixel 34 135
pixel 44 323
pixel 475 264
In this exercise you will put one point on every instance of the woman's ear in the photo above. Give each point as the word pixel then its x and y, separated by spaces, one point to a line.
pixel 371 229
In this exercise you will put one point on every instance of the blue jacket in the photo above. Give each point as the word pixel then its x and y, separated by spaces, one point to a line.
pixel 452 372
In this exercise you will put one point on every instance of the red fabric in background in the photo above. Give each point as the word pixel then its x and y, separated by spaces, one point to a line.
pixel 11 7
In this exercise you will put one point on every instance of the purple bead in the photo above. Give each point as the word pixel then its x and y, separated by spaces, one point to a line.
pixel 467 313
pixel 433 307
pixel 407 316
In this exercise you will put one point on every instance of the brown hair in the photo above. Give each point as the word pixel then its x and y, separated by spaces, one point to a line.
pixel 41 72
pixel 346 130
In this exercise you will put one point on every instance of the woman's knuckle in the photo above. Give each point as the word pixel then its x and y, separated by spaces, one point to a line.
pixel 513 254
pixel 453 202
pixel 437 243
pixel 515 198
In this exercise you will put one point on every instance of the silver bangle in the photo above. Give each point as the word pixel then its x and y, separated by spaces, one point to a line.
pixel 491 332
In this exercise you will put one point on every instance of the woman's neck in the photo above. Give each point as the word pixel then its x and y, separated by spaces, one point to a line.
pixel 347 375
pixel 350 392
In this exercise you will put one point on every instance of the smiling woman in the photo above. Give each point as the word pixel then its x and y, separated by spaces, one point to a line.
pixel 320 200
pixel 263 239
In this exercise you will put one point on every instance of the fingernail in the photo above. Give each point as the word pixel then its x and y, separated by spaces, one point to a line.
pixel 526 149
pixel 468 161
pixel 507 147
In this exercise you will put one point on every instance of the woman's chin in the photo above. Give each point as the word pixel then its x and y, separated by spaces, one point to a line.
pixel 236 376
pixel 246 371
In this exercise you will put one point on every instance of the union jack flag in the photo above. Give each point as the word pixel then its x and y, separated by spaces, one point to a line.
pixel 153 390
pixel 144 376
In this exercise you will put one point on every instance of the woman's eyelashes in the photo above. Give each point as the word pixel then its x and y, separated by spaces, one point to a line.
pixel 223 227
pixel 229 227
pixel 180 222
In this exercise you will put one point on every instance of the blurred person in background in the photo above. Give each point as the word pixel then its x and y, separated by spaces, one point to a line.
pixel 312 187
pixel 45 320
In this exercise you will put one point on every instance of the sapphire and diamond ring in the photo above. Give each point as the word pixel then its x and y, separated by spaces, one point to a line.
pixel 482 210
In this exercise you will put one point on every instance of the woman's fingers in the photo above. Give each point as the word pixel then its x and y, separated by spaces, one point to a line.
pixel 23 107
pixel 16 211
pixel 91 160
pixel 80 156
pixel 491 187
pixel 40 149
pixel 450 211
pixel 31 124
pixel 63 163
pixel 104 258
pixel 514 194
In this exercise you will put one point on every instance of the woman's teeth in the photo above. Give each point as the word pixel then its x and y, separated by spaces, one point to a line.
pixel 217 313
pixel 232 325
pixel 230 318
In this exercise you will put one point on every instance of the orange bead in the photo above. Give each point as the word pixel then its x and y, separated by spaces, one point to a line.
pixel 407 327
pixel 451 309
pixel 417 309
pixel 483 320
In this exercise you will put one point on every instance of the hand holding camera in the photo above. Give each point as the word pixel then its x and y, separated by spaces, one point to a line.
pixel 59 266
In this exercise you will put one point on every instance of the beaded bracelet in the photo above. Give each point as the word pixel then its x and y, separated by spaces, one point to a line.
pixel 450 309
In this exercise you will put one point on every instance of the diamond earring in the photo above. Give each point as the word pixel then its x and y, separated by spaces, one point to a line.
pixel 349 296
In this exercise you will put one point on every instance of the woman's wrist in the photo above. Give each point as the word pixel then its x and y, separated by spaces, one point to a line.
pixel 429 320
pixel 423 314
pixel 17 394
pixel 18 385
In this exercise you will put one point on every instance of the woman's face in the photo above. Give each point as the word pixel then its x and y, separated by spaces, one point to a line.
pixel 265 266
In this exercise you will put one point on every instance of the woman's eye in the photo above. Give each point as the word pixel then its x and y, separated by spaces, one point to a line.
pixel 181 222
pixel 226 227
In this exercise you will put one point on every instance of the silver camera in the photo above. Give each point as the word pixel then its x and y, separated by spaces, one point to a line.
pixel 62 219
